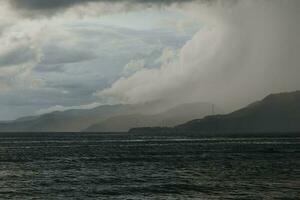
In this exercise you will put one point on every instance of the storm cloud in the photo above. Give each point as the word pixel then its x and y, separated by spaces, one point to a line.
pixel 243 53
pixel 32 8
pixel 77 52
pixel 63 59
pixel 57 4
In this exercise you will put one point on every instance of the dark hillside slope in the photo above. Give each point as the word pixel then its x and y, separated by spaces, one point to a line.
pixel 275 113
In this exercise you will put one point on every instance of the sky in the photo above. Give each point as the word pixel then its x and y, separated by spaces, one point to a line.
pixel 79 54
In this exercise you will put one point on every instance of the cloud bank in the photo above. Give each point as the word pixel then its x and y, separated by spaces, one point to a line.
pixel 244 51
pixel 64 108
pixel 56 4
pixel 55 52
pixel 60 54
pixel 35 8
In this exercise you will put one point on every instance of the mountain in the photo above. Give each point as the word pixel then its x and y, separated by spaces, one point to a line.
pixel 75 120
pixel 66 121
pixel 105 118
pixel 275 113
pixel 176 115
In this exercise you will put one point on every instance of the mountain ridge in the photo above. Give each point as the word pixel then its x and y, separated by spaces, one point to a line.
pixel 78 120
pixel 275 113
pixel 171 117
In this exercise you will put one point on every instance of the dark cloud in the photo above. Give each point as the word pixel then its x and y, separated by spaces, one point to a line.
pixel 46 4
pixel 50 4
pixel 49 7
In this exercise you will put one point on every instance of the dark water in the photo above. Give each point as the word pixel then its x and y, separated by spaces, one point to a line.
pixel 91 166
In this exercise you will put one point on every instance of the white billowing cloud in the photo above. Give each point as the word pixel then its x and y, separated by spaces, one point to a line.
pixel 24 32
pixel 22 41
pixel 61 56
pixel 23 46
pixel 64 108
pixel 7 16
pixel 133 66
pixel 168 55
pixel 244 52
pixel 151 84
pixel 96 9
pixel 20 49
pixel 19 53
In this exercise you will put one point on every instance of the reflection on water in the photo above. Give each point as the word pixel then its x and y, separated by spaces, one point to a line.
pixel 91 166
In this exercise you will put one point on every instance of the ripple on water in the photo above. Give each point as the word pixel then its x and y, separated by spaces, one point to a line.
pixel 94 167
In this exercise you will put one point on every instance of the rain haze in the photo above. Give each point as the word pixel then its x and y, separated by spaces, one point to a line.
pixel 59 55
pixel 149 99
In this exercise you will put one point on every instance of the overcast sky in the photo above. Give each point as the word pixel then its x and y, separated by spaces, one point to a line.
pixel 65 54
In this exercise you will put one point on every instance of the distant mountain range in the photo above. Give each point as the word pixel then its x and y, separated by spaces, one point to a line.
pixel 109 118
pixel 168 118
pixel 276 113
pixel 66 121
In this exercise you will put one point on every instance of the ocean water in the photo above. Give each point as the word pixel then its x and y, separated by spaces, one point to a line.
pixel 124 166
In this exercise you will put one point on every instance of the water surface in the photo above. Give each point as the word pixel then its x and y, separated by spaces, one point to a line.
pixel 124 166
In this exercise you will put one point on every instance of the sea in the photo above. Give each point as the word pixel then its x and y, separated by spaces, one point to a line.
pixel 64 166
